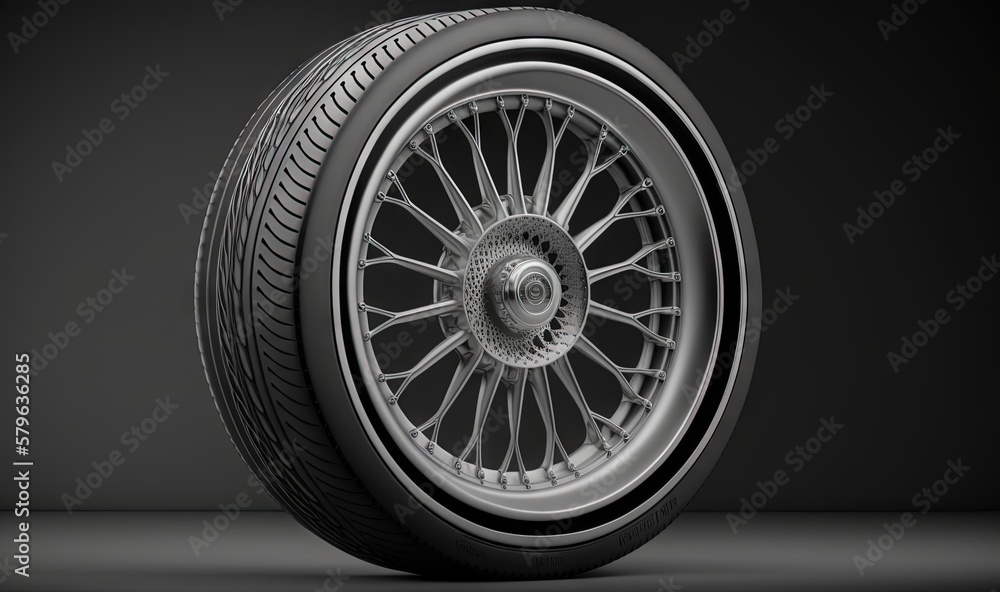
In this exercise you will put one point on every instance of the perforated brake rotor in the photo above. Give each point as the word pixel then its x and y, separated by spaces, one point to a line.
pixel 526 291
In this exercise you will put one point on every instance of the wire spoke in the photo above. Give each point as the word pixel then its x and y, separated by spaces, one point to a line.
pixel 632 264
pixel 564 371
pixel 508 220
pixel 487 390
pixel 606 312
pixel 585 238
pixel 613 426
pixel 515 401
pixel 449 239
pixel 436 309
pixel 466 367
pixel 543 187
pixel 539 381
pixel 488 188
pixel 466 215
pixel 565 210
pixel 433 357
pixel 590 350
pixel 514 187
pixel 445 276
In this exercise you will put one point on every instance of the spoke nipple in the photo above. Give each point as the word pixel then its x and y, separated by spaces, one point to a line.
pixel 571 467
pixel 554 482
pixel 367 337
pixel 677 276
pixel 362 306
pixel 648 405
pixel 524 99
pixel 458 466
pixel 607 447
pixel 362 264
pixel 604 131
pixel 413 434
pixel 500 102
pixel 662 376
pixel 647 182
pixel 548 104
pixel 623 150
pixel 609 454
pixel 524 479
pixel 526 486
pixel 503 487
pixel 392 400
pixel 625 435
pixel 391 175
pixel 452 115
pixel 552 474
pixel 429 129
pixel 381 378
pixel 570 112
pixel 576 474
pixel 367 236
pixel 482 474
pixel 671 344
pixel 474 107
pixel 660 210
pixel 414 145
pixel 430 447
pixel 671 242
pixel 503 479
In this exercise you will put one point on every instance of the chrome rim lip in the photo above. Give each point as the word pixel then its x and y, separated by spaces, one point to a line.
pixel 546 514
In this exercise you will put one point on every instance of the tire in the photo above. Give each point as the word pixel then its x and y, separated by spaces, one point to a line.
pixel 337 208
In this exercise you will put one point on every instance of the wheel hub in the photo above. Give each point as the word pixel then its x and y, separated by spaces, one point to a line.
pixel 526 291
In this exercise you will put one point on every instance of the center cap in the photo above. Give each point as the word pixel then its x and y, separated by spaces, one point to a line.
pixel 525 293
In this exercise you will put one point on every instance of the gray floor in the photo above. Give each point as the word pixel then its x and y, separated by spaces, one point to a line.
pixel 108 552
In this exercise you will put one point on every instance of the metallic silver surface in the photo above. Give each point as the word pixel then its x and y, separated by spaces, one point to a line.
pixel 512 256
pixel 672 391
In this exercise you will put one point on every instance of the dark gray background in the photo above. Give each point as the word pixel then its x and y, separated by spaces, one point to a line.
pixel 825 357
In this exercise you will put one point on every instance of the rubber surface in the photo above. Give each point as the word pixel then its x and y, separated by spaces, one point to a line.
pixel 253 258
